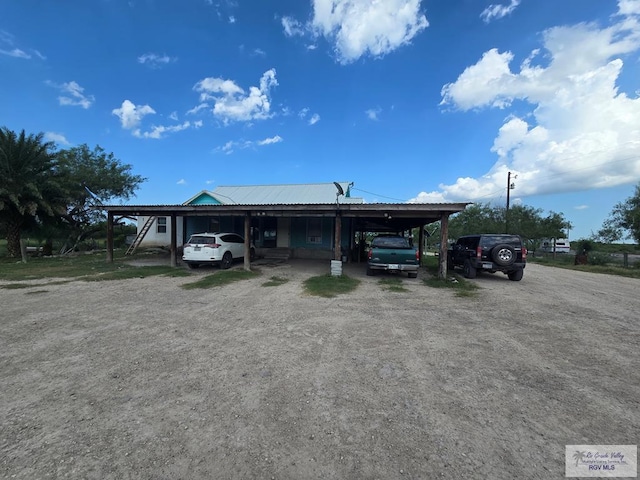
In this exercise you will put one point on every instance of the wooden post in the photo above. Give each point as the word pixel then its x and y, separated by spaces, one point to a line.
pixel 444 243
pixel 174 243
pixel 338 252
pixel 421 246
pixel 109 237
pixel 247 242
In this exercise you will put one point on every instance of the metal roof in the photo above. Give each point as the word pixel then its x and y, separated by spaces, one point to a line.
pixel 286 194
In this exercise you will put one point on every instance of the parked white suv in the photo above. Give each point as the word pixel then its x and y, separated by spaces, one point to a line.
pixel 214 248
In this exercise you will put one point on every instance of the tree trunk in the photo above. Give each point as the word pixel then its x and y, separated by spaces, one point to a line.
pixel 13 240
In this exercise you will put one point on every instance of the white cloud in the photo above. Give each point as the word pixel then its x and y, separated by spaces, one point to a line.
pixel 498 11
pixel 581 207
pixel 8 47
pixel 174 116
pixel 154 60
pixel 157 131
pixel 303 113
pixel 182 181
pixel 131 115
pixel 72 95
pixel 580 132
pixel 373 113
pixel 231 103
pixel 629 7
pixel 232 19
pixel 269 141
pixel 364 27
pixel 229 147
pixel 315 118
pixel 56 137
pixel 292 27
pixel 16 52
pixel 197 108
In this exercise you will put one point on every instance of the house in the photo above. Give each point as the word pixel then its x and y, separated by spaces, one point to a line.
pixel 302 236
pixel 318 220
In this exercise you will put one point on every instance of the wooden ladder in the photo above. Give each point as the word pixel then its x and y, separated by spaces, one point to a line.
pixel 138 240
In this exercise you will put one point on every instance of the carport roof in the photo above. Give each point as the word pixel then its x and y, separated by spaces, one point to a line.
pixel 369 216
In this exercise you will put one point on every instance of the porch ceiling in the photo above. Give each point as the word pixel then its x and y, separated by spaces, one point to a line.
pixel 369 217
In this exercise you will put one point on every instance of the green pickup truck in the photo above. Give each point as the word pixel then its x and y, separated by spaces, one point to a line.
pixel 393 253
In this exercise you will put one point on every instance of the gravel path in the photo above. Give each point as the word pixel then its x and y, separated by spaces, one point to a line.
pixel 143 379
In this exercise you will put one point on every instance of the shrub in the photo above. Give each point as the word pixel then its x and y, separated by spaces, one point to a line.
pixel 598 258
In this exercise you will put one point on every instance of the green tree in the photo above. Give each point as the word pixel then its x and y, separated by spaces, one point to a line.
pixel 528 222
pixel 623 221
pixel 50 193
pixel 28 186
pixel 89 179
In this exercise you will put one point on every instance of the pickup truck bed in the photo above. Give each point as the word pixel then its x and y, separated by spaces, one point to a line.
pixel 393 254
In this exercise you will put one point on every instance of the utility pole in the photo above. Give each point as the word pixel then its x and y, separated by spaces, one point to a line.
pixel 510 186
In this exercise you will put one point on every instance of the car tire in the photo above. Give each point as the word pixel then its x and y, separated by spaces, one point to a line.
pixel 469 271
pixel 503 254
pixel 413 274
pixel 193 265
pixel 227 259
pixel 516 275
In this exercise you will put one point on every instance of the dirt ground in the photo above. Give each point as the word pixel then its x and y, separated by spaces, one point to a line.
pixel 143 379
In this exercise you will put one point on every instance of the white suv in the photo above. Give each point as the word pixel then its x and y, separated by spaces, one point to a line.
pixel 214 248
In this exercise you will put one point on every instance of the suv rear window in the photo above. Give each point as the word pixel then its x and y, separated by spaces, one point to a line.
pixel 492 240
pixel 201 240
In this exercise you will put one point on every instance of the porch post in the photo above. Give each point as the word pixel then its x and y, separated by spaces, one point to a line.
pixel 444 243
pixel 421 240
pixel 109 237
pixel 247 242
pixel 174 243
pixel 338 252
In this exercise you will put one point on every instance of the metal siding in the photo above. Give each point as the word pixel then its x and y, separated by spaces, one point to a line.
pixel 284 194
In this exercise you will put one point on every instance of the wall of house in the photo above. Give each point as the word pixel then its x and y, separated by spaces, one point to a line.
pixel 212 225
pixel 307 237
pixel 159 235
pixel 313 237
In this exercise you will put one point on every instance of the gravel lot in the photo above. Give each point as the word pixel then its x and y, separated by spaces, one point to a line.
pixel 143 379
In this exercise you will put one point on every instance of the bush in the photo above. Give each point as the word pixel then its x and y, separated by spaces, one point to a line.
pixel 584 245
pixel 598 258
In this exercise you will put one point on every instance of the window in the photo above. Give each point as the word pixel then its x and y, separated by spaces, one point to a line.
pixel 162 224
pixel 314 230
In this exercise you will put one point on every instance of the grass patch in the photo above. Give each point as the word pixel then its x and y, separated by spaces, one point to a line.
pixel 462 287
pixel 126 272
pixel 392 284
pixel 17 286
pixel 329 286
pixel 608 269
pixel 275 281
pixel 86 266
pixel 220 278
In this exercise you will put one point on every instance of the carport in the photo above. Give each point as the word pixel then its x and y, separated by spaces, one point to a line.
pixel 377 217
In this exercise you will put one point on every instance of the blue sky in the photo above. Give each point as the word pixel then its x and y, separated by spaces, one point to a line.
pixel 430 101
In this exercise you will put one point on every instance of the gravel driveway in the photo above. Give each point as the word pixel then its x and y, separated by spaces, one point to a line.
pixel 143 379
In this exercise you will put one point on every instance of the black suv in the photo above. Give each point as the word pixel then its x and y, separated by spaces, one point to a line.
pixel 491 253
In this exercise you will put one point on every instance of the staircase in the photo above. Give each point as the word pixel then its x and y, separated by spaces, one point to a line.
pixel 141 234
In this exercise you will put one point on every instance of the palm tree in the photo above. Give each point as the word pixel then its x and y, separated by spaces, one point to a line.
pixel 27 183
pixel 578 456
